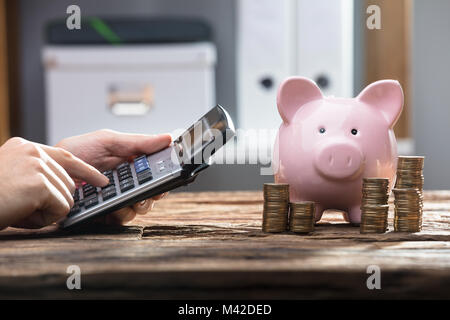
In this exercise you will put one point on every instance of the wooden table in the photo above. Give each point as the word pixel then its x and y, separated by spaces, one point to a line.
pixel 210 245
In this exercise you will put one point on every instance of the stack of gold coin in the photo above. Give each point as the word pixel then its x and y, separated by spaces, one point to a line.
pixel 276 207
pixel 374 207
pixel 301 217
pixel 408 194
pixel 375 191
pixel 374 218
pixel 409 173
pixel 408 210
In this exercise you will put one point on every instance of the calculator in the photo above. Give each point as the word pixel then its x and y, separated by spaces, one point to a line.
pixel 150 175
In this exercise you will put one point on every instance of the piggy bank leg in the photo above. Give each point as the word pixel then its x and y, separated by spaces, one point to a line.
pixel 354 214
pixel 318 212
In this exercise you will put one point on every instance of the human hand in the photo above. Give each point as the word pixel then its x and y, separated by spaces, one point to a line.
pixel 106 149
pixel 36 184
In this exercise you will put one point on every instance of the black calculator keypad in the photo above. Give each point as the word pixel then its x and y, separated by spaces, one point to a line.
pixel 109 192
pixel 125 177
pixel 88 190
pixel 91 201
pixel 110 176
pixel 125 186
pixel 144 177
pixel 124 167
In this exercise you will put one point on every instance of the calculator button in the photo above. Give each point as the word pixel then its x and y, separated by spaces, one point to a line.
pixel 123 172
pixel 140 168
pixel 144 176
pixel 142 158
pixel 75 209
pixel 110 185
pixel 126 186
pixel 123 165
pixel 91 201
pixel 109 188
pixel 141 164
pixel 111 179
pixel 127 180
pixel 125 176
pixel 108 194
pixel 87 186
pixel 89 193
pixel 121 175
pixel 88 190
pixel 76 195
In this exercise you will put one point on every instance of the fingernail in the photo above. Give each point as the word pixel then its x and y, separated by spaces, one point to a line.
pixel 106 180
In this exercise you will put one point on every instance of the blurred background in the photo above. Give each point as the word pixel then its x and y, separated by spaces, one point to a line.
pixel 157 65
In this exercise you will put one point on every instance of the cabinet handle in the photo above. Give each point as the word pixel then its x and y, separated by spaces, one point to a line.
pixel 130 100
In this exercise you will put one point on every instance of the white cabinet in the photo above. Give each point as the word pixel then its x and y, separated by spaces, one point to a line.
pixel 277 39
pixel 134 88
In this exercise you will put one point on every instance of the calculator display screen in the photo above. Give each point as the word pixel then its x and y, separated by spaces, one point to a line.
pixel 200 134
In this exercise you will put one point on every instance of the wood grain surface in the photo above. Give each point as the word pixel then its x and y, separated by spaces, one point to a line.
pixel 210 245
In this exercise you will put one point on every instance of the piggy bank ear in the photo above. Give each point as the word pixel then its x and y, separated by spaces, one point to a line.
pixel 293 93
pixel 385 95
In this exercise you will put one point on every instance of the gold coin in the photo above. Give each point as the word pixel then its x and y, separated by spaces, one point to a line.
pixel 374 218
pixel 301 216
pixel 276 207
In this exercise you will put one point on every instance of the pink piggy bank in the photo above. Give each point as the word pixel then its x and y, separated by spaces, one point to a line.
pixel 326 145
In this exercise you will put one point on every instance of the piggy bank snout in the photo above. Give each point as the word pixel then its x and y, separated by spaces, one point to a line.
pixel 338 160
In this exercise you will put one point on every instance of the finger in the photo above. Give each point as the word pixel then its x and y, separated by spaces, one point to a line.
pixel 54 179
pixel 76 167
pixel 126 144
pixel 120 216
pixel 54 207
pixel 160 196
pixel 60 172
pixel 36 220
pixel 143 207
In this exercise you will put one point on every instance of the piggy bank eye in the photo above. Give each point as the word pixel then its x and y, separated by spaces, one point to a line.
pixel 322 130
pixel 354 132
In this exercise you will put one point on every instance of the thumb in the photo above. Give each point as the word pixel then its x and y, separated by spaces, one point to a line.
pixel 126 144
